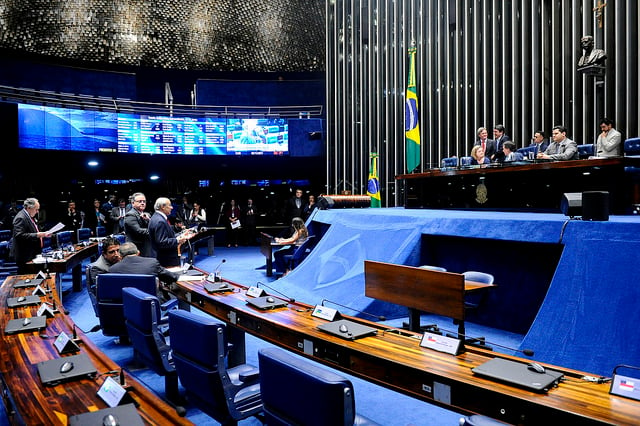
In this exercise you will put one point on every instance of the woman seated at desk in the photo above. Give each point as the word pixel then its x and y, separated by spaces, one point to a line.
pixel 477 156
pixel 300 234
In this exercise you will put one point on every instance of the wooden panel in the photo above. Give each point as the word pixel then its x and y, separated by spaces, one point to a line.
pixel 441 293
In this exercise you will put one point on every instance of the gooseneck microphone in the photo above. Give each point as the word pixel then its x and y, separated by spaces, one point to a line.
pixel 378 317
pixel 527 352
pixel 217 276
pixel 291 299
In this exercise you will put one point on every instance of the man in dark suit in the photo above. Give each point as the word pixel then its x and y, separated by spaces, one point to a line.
pixel 164 243
pixel 27 237
pixel 295 205
pixel 136 224
pixel 540 142
pixel 117 215
pixel 489 145
pixel 133 263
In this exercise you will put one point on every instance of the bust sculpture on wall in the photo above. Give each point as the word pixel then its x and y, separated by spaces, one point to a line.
pixel 591 56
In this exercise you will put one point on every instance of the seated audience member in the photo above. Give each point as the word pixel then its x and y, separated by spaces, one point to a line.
pixel 609 143
pixel 540 142
pixel 300 234
pixel 478 157
pixel 109 257
pixel 562 148
pixel 133 263
pixel 510 154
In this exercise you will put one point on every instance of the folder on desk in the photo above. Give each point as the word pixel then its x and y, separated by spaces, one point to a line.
pixel 517 373
pixel 123 414
pixel 14 302
pixel 50 374
pixel 351 330
pixel 18 325
pixel 28 282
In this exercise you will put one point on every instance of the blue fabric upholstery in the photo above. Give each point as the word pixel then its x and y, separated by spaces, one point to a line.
pixel 300 253
pixel 143 318
pixel 109 299
pixel 101 231
pixel 450 162
pixel 199 354
pixel 64 238
pixel 585 151
pixel 526 150
pixel 465 161
pixel 632 146
pixel 84 234
pixel 296 392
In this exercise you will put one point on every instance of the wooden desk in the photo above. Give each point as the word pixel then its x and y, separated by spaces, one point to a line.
pixel 397 361
pixel 29 402
pixel 266 248
pixel 420 290
pixel 71 261
pixel 523 186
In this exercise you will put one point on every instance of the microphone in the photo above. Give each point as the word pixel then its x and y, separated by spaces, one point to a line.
pixel 217 277
pixel 378 317
pixel 291 299
pixel 527 352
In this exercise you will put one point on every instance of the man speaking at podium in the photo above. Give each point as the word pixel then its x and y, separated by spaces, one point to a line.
pixel 164 243
pixel 27 238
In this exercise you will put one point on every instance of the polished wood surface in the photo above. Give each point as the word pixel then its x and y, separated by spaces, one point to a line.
pixel 36 404
pixel 72 261
pixel 395 359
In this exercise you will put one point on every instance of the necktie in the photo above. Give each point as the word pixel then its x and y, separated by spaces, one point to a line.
pixel 35 225
pixel 484 147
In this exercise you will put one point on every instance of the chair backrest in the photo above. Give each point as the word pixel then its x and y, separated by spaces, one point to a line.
pixel 632 146
pixel 465 161
pixel 84 234
pixel 294 391
pixel 64 238
pixel 433 268
pixel 303 250
pixel 109 299
pixel 47 243
pixel 450 162
pixel 585 151
pixel 525 150
pixel 142 317
pixel 101 231
pixel 479 277
pixel 5 235
pixel 199 353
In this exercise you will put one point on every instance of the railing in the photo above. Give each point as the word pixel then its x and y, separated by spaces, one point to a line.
pixel 104 103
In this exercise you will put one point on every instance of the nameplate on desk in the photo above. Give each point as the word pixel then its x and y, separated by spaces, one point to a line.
pixel 39 291
pixel 112 393
pixel 255 291
pixel 626 385
pixel 65 345
pixel 45 310
pixel 325 313
pixel 449 345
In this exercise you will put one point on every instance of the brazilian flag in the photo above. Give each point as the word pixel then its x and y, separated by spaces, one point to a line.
pixel 373 185
pixel 411 127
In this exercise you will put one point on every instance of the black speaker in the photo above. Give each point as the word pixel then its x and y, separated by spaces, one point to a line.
pixel 595 205
pixel 571 204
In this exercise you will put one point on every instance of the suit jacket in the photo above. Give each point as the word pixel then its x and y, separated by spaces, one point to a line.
pixel 543 146
pixel 137 230
pixel 499 142
pixel 26 244
pixel 293 210
pixel 100 266
pixel 144 265
pixel 565 150
pixel 164 245
pixel 118 225
pixel 490 147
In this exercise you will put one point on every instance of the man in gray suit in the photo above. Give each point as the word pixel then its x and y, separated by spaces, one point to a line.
pixel 562 148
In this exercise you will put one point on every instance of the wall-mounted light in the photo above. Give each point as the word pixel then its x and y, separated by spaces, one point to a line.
pixel 154 177
pixel 92 163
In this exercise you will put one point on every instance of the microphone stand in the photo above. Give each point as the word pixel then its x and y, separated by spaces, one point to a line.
pixel 377 317
pixel 291 299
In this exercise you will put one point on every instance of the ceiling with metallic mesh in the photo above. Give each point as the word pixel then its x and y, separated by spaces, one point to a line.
pixel 218 35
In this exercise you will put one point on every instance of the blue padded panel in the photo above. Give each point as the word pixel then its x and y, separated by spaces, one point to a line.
pixel 110 285
pixel 298 392
pixel 138 307
pixel 84 234
pixel 449 162
pixel 632 146
pixel 187 329
pixel 5 235
pixel 101 231
pixel 64 238
pixel 585 151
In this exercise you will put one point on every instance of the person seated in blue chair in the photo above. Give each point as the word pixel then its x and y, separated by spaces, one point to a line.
pixel 510 154
pixel 110 248
pixel 478 157
pixel 300 234
pixel 133 263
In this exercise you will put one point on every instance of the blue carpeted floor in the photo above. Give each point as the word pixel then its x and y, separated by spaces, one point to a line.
pixel 245 265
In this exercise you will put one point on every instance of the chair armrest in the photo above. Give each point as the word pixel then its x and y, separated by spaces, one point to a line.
pixel 249 376
pixel 168 305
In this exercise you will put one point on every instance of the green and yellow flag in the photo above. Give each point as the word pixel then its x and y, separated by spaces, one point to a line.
pixel 373 185
pixel 411 127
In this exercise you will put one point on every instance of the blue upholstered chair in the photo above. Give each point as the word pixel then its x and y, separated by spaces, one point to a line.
pixel 296 392
pixel 585 151
pixel 199 352
pixel 101 231
pixel 83 234
pixel 449 162
pixel 64 239
pixel 526 150
pixel 7 266
pixel 109 300
pixel 632 147
pixel 465 161
pixel 144 320
pixel 300 253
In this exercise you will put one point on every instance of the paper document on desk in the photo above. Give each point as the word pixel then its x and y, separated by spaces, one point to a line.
pixel 191 278
pixel 57 227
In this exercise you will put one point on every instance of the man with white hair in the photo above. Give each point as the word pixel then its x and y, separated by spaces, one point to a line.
pixel 164 243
